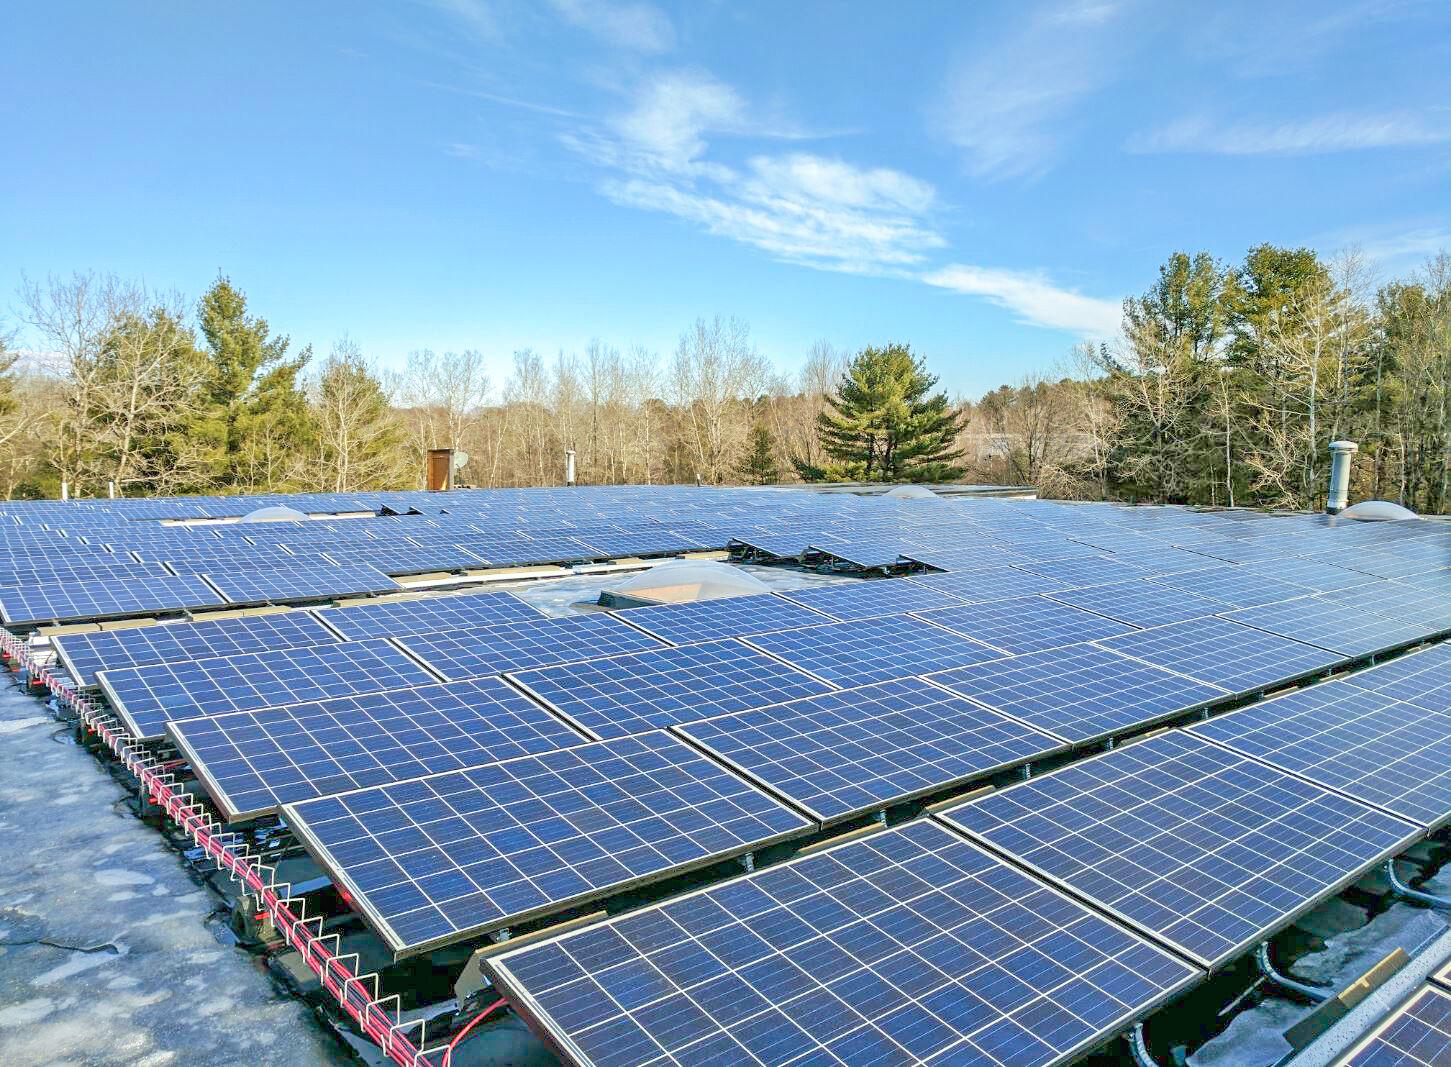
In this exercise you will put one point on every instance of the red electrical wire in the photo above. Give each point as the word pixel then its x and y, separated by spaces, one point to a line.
pixel 480 1017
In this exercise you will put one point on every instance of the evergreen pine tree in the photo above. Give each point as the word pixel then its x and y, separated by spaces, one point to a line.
pixel 884 424
pixel 759 466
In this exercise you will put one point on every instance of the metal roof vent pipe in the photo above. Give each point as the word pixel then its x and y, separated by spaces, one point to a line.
pixel 1340 455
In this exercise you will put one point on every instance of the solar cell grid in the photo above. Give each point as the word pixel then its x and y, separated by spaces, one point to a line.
pixel 1233 585
pixel 911 946
pixel 1238 659
pixel 395 618
pixel 1025 624
pixel 252 762
pixel 1367 745
pixel 66 573
pixel 1418 1034
pixel 147 698
pixel 708 620
pixel 1199 846
pixel 1313 574
pixel 518 644
pixel 1100 570
pixel 1080 693
pixel 103 599
pixel 870 599
pixel 872 650
pixel 405 559
pixel 988 583
pixel 1139 603
pixel 300 579
pixel 1340 628
pixel 1426 605
pixel 864 551
pixel 857 750
pixel 455 855
pixel 84 654
pixel 645 691
pixel 1422 678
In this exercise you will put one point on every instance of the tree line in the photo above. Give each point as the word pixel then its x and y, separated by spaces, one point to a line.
pixel 1225 387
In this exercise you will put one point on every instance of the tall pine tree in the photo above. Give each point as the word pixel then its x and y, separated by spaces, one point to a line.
pixel 884 424
pixel 254 394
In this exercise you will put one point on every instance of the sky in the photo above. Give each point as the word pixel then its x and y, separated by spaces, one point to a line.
pixel 984 181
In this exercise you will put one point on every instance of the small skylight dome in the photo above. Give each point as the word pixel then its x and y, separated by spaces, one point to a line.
pixel 276 513
pixel 1378 511
pixel 911 492
pixel 681 581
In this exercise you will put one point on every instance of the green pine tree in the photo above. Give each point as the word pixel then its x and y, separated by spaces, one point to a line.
pixel 885 424
pixel 254 390
pixel 759 467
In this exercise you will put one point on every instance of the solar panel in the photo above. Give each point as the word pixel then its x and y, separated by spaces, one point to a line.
pixel 1417 1034
pixel 1024 624
pixel 1232 585
pixel 396 618
pixel 457 855
pixel 651 690
pixel 1367 745
pixel 519 644
pixel 84 654
pixel 1422 678
pixel 1198 846
pixel 1428 606
pixel 911 946
pixel 1238 659
pixel 300 579
pixel 857 750
pixel 1080 693
pixel 872 650
pixel 1339 628
pixel 989 583
pixel 112 598
pixel 1075 573
pixel 147 698
pixel 870 599
pixel 1238 550
pixel 958 558
pixel 67 572
pixel 1141 603
pixel 1311 573
pixel 708 620
pixel 408 559
pixel 254 761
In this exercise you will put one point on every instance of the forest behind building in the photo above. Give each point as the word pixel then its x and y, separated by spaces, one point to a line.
pixel 1226 385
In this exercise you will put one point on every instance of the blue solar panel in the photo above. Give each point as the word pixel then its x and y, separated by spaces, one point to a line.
pixel 396 618
pixel 147 698
pixel 1428 606
pixel 300 579
pixel 864 551
pixel 1080 693
pixel 1417 1034
pixel 1079 572
pixel 857 750
pixel 1369 746
pixel 1232 585
pixel 1025 624
pixel 872 650
pixel 989 583
pixel 870 599
pixel 1238 659
pixel 708 620
pixel 911 946
pixel 67 573
pixel 1141 603
pixel 1203 848
pixel 1326 624
pixel 1313 574
pixel 632 694
pixel 84 654
pixel 519 644
pixel 456 855
pixel 960 559
pixel 111 598
pixel 1421 678
pixel 254 761
pixel 407 559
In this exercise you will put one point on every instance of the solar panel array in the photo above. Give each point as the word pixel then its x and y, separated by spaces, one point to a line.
pixel 105 599
pixel 511 645
pixel 1198 846
pixel 858 750
pixel 632 694
pixel 872 650
pixel 459 854
pixel 299 580
pixel 1417 1034
pixel 911 946
pixel 1024 624
pixel 870 600
pixel 434 614
pixel 147 698
pixel 251 762
pixel 708 620
pixel 84 654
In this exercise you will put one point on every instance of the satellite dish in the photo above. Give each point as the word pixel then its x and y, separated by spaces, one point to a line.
pixel 460 460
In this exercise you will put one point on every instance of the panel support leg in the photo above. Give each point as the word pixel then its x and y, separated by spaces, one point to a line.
pixel 748 861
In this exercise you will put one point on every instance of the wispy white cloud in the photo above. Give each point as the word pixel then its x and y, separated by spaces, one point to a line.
pixel 1033 299
pixel 1002 106
pixel 1341 132
pixel 636 26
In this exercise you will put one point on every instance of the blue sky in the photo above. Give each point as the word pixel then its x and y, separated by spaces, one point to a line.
pixel 985 181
